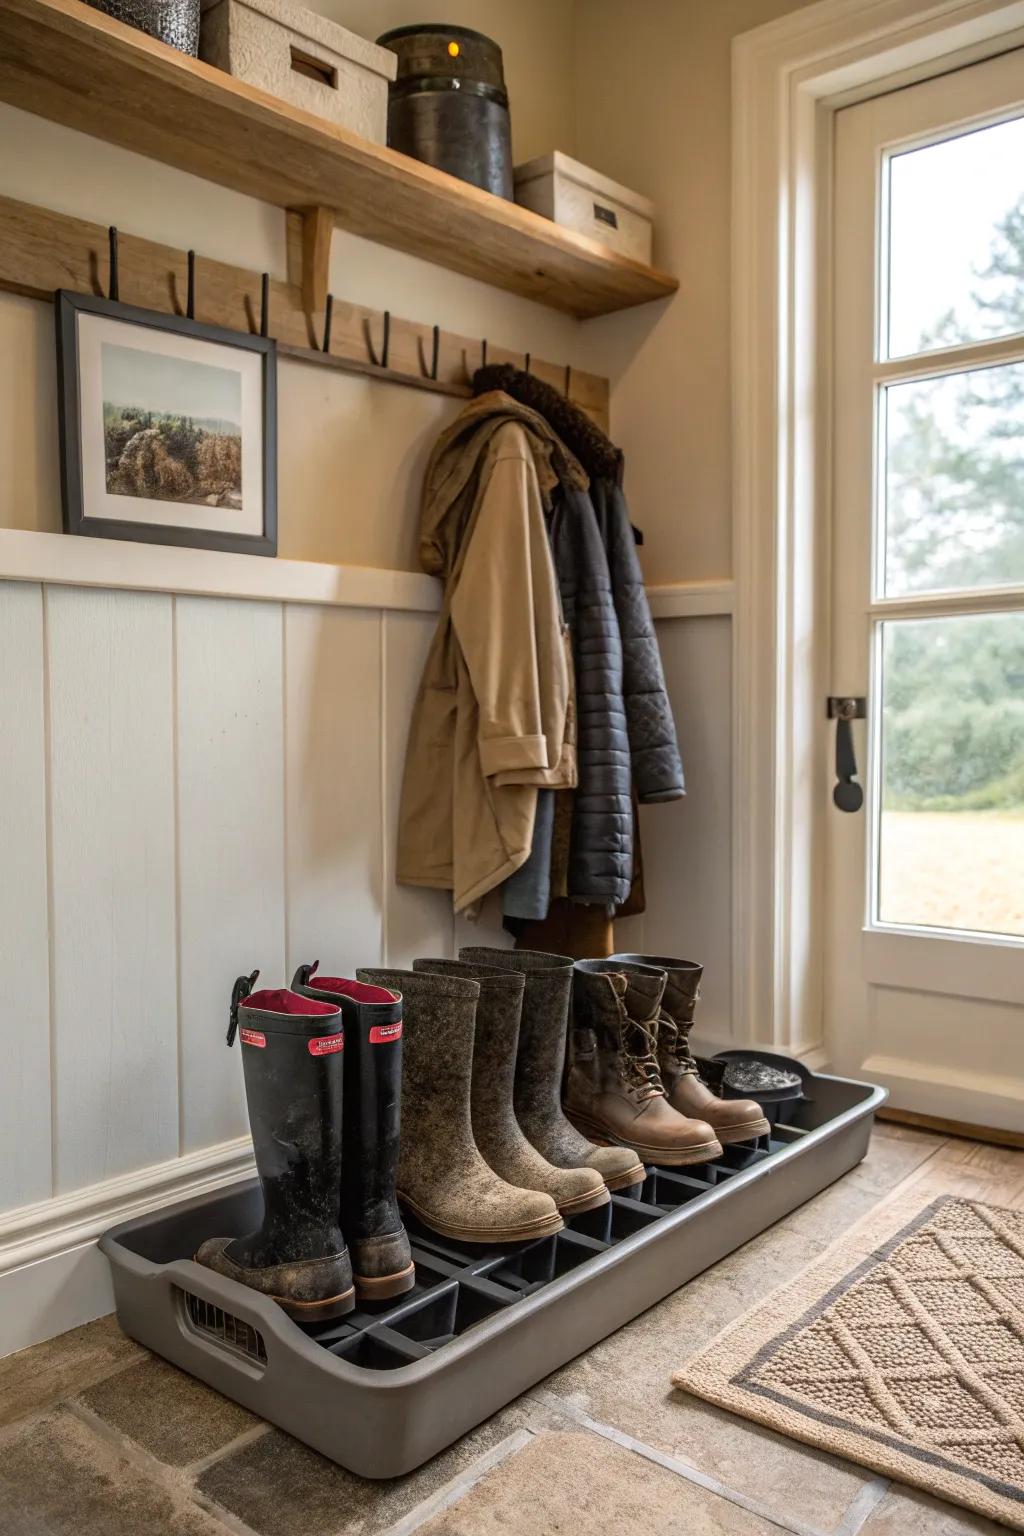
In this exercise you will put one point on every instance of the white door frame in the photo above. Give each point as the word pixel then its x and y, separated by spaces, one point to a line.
pixel 789 78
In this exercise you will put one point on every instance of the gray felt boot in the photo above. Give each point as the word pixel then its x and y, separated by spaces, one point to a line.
pixel 495 1126
pixel 539 1065
pixel 443 1178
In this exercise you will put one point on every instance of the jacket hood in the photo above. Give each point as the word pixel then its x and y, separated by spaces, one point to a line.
pixel 595 451
pixel 456 458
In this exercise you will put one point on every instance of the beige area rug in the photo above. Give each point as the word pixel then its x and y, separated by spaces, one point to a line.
pixel 902 1349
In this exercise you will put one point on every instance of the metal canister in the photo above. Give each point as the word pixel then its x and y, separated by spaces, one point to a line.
pixel 175 22
pixel 448 105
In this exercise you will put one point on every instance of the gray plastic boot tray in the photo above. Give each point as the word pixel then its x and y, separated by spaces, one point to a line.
pixel 385 1387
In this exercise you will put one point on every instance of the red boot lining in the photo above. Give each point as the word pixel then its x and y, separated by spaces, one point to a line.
pixel 282 1000
pixel 359 991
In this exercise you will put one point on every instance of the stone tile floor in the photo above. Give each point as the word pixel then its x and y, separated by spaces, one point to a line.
pixel 100 1438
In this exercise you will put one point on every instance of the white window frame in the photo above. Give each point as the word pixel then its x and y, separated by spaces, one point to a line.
pixel 789 78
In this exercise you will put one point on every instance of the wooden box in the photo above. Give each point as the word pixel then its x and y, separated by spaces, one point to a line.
pixel 579 198
pixel 303 58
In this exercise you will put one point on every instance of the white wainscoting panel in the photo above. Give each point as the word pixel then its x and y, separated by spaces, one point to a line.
pixel 230 840
pixel 686 843
pixel 112 818
pixel 333 789
pixel 419 922
pixel 195 785
pixel 25 1151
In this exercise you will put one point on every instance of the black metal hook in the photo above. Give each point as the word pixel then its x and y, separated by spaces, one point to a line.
pixel 382 361
pixel 113 287
pixel 434 354
pixel 526 362
pixel 328 314
pixel 190 297
pixel 265 304
pixel 568 380
pixel 483 353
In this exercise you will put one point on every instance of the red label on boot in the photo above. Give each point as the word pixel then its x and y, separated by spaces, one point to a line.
pixel 253 1037
pixel 326 1045
pixel 385 1034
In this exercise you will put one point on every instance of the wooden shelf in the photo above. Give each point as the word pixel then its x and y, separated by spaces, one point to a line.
pixel 74 65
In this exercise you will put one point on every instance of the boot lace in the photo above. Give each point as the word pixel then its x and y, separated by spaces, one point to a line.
pixel 640 1059
pixel 675 1043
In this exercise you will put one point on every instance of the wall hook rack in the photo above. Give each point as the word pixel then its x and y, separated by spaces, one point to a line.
pixel 41 251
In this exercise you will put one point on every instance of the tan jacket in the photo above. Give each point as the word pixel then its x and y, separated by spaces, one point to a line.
pixel 494 716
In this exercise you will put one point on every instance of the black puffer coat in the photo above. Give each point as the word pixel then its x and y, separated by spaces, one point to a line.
pixel 657 767
pixel 601 851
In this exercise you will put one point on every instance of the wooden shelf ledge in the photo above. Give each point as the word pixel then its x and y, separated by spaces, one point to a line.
pixel 74 65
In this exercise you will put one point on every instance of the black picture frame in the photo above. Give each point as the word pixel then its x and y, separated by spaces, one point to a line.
pixel 69 306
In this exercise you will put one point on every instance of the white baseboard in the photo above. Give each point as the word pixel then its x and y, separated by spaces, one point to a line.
pixel 947 1093
pixel 53 1277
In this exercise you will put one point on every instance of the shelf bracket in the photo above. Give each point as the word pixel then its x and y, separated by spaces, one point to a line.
pixel 317 231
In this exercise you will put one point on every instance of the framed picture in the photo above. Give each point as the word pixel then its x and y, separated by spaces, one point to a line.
pixel 168 428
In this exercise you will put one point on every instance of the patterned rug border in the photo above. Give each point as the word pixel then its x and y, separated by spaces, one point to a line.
pixel 721 1372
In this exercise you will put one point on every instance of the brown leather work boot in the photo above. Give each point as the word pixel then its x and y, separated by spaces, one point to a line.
pixel 732 1119
pixel 613 1091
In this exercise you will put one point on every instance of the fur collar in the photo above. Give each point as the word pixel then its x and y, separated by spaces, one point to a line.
pixel 583 438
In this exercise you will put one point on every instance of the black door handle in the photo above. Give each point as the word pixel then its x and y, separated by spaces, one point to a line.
pixel 847 794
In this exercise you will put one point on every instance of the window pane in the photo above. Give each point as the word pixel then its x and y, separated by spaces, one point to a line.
pixel 956 240
pixel 952 804
pixel 954 481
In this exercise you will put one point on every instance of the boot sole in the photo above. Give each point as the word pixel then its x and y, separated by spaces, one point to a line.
pixel 543 1226
pixel 300 1311
pixel 628 1180
pixel 728 1134
pixel 317 1311
pixel 588 1202
pixel 662 1157
pixel 383 1287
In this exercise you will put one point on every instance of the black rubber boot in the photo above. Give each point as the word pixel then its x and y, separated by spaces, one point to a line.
pixel 293 1064
pixel 381 1257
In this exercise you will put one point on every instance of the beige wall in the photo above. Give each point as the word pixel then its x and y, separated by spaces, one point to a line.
pixel 640 91
pixel 351 451
pixel 653 110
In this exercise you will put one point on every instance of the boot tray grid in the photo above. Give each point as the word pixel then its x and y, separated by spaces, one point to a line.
pixel 460 1284
pixel 481 1324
